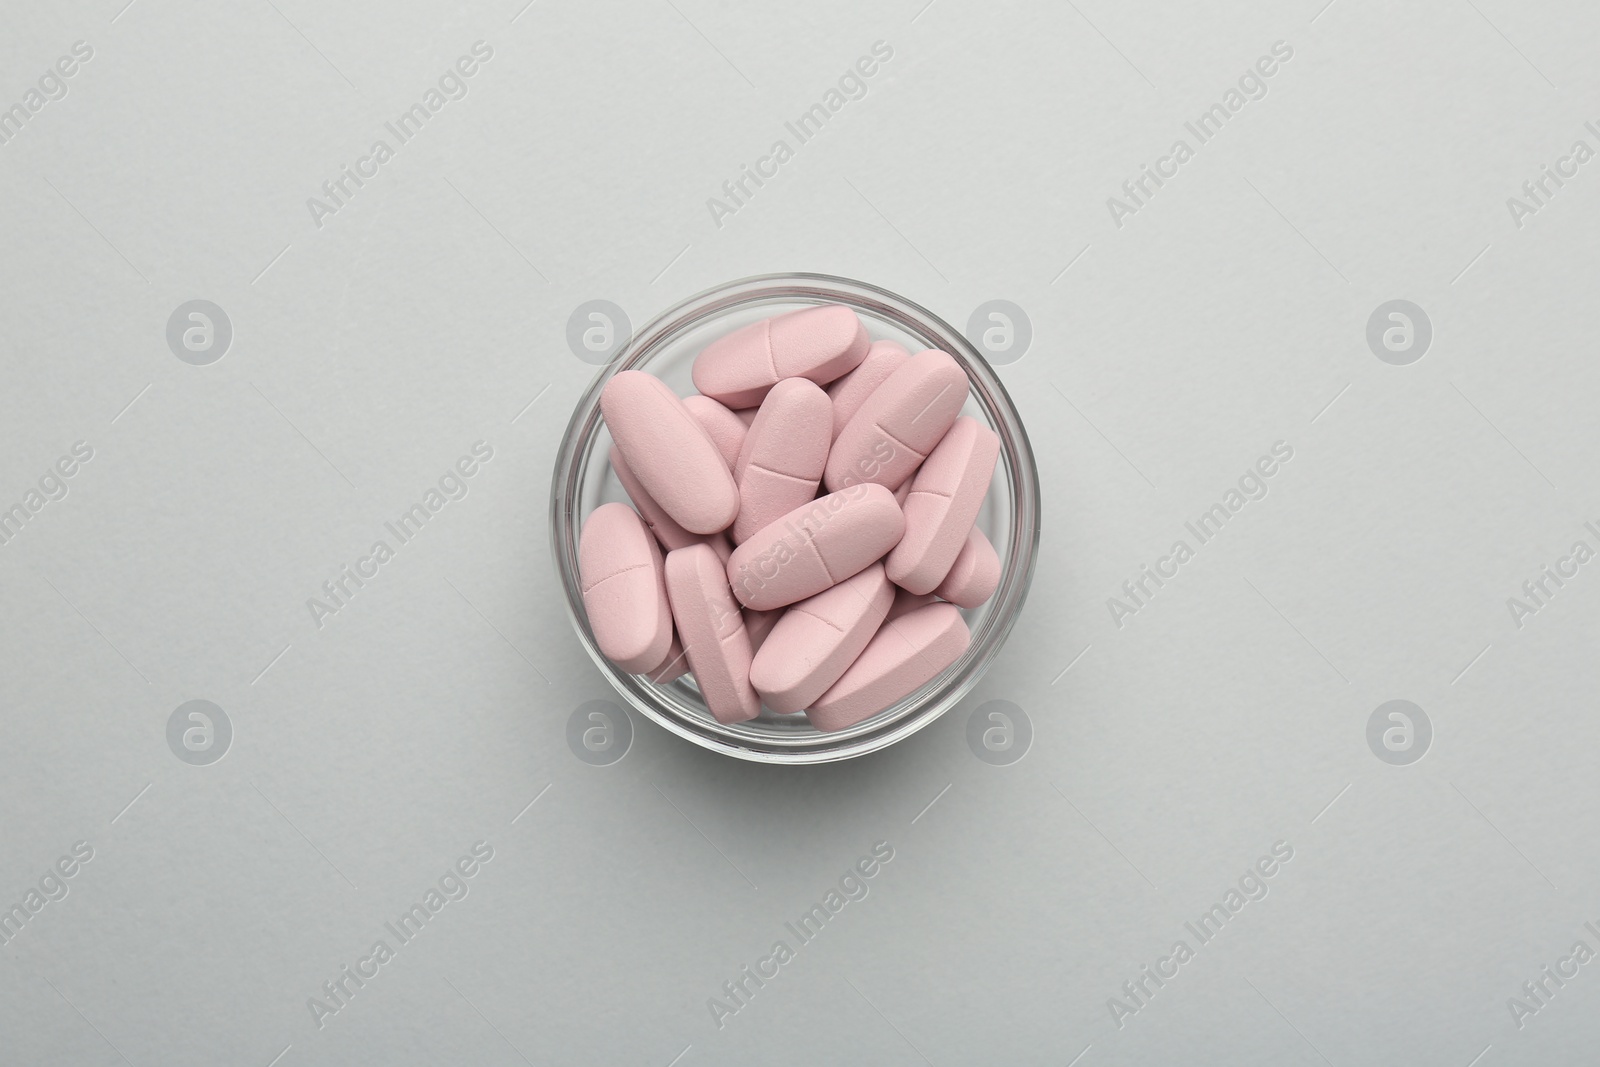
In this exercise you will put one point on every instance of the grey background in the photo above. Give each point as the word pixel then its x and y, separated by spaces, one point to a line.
pixel 1168 754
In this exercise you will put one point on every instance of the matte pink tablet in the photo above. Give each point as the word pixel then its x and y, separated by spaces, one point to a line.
pixel 725 429
pixel 712 632
pixel 818 638
pixel 818 544
pixel 850 392
pixel 974 575
pixel 667 531
pixel 674 666
pixel 783 455
pixel 669 452
pixel 943 505
pixel 820 343
pixel 620 572
pixel 899 424
pixel 900 658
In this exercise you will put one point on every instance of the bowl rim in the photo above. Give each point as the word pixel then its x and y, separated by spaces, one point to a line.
pixel 941 693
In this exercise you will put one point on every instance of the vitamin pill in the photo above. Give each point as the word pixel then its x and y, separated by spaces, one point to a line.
pixel 818 544
pixel 821 343
pixel 901 657
pixel 899 424
pixel 943 505
pixel 818 638
pixel 667 531
pixel 850 392
pixel 674 459
pixel 620 572
pixel 712 632
pixel 783 455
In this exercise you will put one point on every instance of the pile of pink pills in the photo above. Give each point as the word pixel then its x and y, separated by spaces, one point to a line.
pixel 816 502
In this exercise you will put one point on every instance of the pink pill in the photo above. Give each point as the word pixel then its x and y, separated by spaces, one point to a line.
pixel 817 545
pixel 820 343
pixel 818 638
pixel 903 491
pixel 672 456
pixel 943 505
pixel 674 666
pixel 712 632
pixel 974 575
pixel 667 531
pixel 899 424
pixel 901 657
pixel 760 624
pixel 783 455
pixel 725 429
pixel 851 391
pixel 620 572
pixel 747 415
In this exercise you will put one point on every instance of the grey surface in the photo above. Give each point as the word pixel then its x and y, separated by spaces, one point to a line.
pixel 1168 754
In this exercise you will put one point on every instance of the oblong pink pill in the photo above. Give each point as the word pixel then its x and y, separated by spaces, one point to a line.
pixel 672 456
pixel 974 575
pixel 820 343
pixel 817 545
pixel 818 638
pixel 620 573
pixel 943 505
pixel 900 658
pixel 667 531
pixel 900 423
pixel 725 429
pixel 850 392
pixel 783 455
pixel 712 632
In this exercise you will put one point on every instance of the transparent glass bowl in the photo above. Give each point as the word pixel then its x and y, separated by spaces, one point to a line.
pixel 666 347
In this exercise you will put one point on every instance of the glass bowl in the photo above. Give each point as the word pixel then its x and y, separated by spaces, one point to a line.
pixel 666 347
